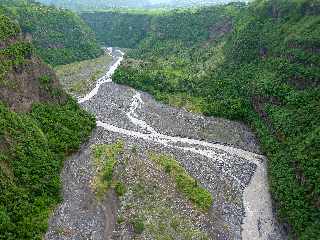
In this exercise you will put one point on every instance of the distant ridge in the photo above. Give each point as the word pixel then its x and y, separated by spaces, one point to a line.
pixel 83 5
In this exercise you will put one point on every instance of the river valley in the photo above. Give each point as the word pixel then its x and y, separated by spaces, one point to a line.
pixel 222 155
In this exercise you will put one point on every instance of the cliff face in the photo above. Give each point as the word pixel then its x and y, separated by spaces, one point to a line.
pixel 25 79
pixel 28 86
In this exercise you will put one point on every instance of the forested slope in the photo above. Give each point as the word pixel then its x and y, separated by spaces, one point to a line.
pixel 60 36
pixel 128 28
pixel 39 126
pixel 258 64
pixel 125 29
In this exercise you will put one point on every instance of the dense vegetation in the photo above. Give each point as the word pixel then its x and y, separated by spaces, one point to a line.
pixel 258 64
pixel 128 28
pixel 34 143
pixel 60 36
pixel 125 29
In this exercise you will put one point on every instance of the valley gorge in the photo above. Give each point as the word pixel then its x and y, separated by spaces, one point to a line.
pixel 160 120
pixel 226 161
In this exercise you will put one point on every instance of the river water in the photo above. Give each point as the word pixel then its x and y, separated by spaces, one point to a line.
pixel 129 114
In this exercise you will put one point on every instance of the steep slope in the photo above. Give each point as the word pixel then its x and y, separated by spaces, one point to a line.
pixel 39 126
pixel 60 36
pixel 125 29
pixel 129 28
pixel 258 64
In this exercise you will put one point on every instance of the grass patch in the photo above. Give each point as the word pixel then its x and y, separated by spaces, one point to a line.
pixel 138 225
pixel 120 189
pixel 184 182
pixel 150 206
pixel 105 158
pixel 150 211
pixel 191 104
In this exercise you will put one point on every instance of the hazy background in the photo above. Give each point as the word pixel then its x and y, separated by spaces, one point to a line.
pixel 98 4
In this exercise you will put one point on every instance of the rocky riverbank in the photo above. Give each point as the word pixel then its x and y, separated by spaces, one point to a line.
pixel 223 156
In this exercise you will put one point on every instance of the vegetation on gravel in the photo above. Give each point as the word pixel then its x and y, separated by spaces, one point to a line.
pixel 105 158
pixel 138 225
pixel 79 77
pixel 33 144
pixel 184 182
pixel 59 36
pixel 258 64
pixel 120 189
pixel 152 206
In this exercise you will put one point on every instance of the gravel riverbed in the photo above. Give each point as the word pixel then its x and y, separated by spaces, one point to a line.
pixel 222 155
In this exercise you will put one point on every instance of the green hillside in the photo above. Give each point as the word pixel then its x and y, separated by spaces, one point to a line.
pixel 128 28
pixel 60 36
pixel 124 29
pixel 39 126
pixel 257 64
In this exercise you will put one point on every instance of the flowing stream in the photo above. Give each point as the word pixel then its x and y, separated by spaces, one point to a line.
pixel 105 79
pixel 259 221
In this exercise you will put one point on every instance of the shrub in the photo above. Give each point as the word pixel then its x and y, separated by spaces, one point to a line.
pixel 138 225
pixel 185 183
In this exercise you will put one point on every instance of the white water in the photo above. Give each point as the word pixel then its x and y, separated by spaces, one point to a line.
pixel 105 79
pixel 135 103
pixel 256 197
pixel 259 220
pixel 109 50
